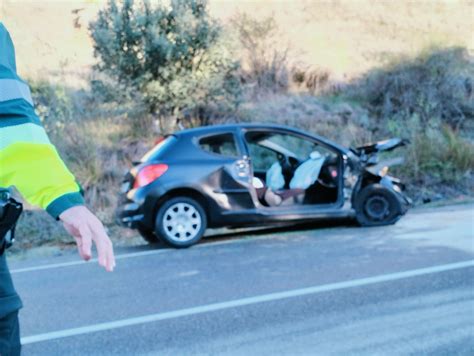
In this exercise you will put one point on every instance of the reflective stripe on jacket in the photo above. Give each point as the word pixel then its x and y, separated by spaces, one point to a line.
pixel 28 160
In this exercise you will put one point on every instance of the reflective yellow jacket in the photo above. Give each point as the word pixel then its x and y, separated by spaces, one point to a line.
pixel 28 160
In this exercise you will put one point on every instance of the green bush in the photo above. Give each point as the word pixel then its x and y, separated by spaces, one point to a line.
pixel 173 58
pixel 435 86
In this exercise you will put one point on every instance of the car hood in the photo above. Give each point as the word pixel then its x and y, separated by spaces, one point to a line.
pixel 385 145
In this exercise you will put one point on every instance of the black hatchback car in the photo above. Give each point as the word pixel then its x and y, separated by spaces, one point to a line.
pixel 252 175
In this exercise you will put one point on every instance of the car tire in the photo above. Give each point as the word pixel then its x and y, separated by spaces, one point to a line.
pixel 180 222
pixel 148 235
pixel 377 205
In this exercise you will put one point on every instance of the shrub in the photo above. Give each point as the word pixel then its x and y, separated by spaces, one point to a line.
pixel 265 59
pixel 173 56
pixel 436 87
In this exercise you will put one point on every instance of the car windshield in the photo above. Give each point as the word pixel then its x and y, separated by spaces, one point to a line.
pixel 287 145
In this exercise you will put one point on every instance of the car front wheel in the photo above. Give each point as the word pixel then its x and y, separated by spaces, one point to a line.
pixel 180 222
pixel 376 205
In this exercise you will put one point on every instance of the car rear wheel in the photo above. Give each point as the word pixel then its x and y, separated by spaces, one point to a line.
pixel 376 205
pixel 180 222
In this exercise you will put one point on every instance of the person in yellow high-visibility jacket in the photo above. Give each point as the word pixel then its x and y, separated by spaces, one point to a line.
pixel 31 163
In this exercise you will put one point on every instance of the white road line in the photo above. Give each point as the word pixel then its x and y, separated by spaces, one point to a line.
pixel 133 255
pixel 242 302
pixel 78 263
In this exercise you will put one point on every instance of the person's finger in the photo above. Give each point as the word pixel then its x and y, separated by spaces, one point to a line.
pixel 110 262
pixel 79 246
pixel 110 250
pixel 111 257
pixel 86 239
pixel 100 240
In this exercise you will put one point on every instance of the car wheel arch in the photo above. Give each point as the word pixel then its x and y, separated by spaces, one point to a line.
pixel 364 181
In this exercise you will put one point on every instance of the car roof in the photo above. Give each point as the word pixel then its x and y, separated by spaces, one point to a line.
pixel 215 129
pixel 226 127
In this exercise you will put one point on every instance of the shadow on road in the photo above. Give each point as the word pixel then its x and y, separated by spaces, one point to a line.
pixel 226 234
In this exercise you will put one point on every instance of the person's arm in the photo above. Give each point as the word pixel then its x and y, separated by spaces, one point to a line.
pixel 31 163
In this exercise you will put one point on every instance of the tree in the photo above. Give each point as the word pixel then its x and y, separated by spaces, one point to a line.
pixel 173 55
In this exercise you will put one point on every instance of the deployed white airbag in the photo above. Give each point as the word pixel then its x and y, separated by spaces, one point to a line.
pixel 274 177
pixel 308 172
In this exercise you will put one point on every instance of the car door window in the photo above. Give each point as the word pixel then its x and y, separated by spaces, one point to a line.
pixel 267 147
pixel 222 144
pixel 262 157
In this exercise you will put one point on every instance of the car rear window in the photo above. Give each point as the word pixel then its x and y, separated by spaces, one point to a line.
pixel 160 147
pixel 223 144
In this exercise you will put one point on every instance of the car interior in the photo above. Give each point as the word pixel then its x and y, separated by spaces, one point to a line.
pixel 291 170
pixel 223 144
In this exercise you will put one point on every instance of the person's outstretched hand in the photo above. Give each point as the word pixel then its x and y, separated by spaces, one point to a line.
pixel 85 227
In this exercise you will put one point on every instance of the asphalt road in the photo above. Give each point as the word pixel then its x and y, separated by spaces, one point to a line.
pixel 397 290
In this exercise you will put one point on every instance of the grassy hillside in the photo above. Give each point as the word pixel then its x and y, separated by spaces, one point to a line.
pixel 359 56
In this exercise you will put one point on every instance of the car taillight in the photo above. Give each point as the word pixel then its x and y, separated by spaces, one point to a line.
pixel 148 174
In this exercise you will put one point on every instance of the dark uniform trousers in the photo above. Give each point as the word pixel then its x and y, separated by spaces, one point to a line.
pixel 10 335
pixel 10 303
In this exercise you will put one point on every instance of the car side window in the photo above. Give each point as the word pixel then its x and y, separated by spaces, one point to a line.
pixel 262 157
pixel 301 148
pixel 222 144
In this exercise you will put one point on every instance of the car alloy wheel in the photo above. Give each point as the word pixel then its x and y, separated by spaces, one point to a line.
pixel 181 222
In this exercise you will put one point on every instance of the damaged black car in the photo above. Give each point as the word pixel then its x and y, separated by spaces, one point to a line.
pixel 255 175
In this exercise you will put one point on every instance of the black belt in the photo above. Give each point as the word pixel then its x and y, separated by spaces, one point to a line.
pixel 10 211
